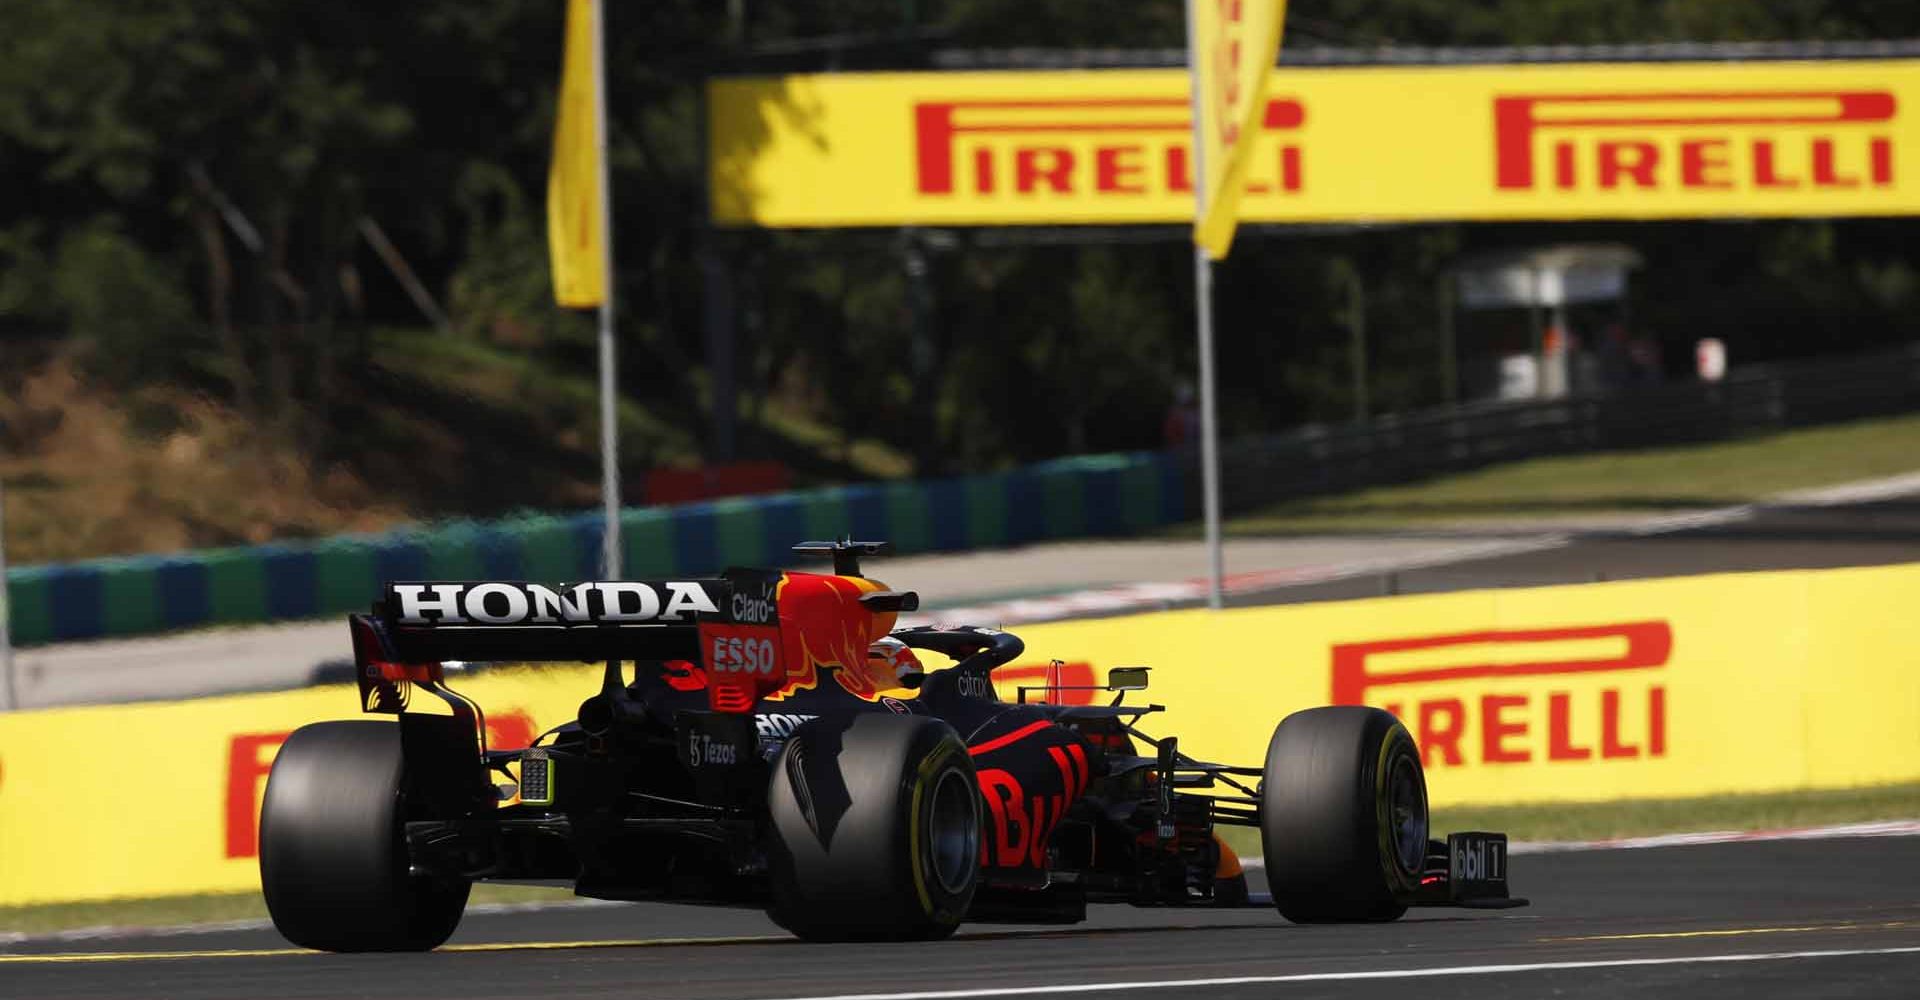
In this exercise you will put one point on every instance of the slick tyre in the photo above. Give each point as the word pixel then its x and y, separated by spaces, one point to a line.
pixel 333 863
pixel 1343 815
pixel 876 830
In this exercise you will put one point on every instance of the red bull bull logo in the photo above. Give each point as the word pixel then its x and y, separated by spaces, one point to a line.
pixel 823 626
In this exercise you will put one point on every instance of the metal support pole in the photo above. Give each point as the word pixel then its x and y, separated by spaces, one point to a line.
pixel 1449 378
pixel 609 393
pixel 1203 312
pixel 1357 317
pixel 6 618
pixel 719 312
pixel 1209 428
pixel 1536 318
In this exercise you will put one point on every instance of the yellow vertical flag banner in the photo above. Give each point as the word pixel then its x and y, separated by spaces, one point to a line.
pixel 1235 46
pixel 575 231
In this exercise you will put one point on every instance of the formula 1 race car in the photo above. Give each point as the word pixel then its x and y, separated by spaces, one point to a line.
pixel 756 756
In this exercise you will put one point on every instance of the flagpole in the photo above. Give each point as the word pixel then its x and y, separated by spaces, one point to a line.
pixel 1203 310
pixel 609 413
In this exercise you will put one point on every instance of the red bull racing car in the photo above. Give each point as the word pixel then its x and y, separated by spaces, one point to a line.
pixel 770 739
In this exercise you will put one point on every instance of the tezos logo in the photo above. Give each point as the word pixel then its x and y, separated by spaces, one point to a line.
pixel 704 750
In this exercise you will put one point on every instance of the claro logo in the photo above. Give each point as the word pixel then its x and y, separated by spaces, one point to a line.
pixel 1695 141
pixel 1105 147
pixel 1530 695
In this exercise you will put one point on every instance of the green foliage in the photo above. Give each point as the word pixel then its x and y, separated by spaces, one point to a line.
pixel 503 290
pixel 127 311
pixel 23 275
pixel 187 180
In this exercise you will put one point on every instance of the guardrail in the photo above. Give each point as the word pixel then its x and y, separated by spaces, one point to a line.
pixel 1082 497
pixel 1399 449
pixel 1087 496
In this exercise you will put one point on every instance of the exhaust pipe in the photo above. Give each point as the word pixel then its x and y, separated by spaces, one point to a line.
pixel 602 713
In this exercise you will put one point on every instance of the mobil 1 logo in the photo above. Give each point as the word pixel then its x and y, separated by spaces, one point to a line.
pixel 1477 864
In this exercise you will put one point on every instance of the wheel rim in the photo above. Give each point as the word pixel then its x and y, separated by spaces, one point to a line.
pixel 953 842
pixel 1407 814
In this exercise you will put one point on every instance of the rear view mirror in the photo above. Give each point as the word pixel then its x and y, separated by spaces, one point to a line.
pixel 1127 679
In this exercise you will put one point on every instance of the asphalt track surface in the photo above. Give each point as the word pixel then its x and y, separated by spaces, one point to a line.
pixel 1832 918
pixel 279 656
pixel 1826 918
pixel 1734 541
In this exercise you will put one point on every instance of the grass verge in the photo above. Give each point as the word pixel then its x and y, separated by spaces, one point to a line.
pixel 1582 821
pixel 1609 484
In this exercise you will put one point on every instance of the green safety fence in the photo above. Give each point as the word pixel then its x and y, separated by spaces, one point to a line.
pixel 1087 496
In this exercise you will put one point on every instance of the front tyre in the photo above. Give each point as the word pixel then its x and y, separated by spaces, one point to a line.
pixel 876 829
pixel 1343 815
pixel 333 857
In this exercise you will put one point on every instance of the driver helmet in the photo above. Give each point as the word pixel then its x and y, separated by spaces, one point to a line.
pixel 890 658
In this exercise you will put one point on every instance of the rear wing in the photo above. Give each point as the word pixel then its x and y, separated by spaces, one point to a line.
pixel 416 626
pixel 752 631
pixel 633 619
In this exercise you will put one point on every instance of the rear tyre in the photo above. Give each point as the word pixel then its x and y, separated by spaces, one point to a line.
pixel 1343 815
pixel 876 830
pixel 333 858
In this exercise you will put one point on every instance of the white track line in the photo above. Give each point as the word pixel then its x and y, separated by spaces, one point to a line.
pixel 1129 598
pixel 1135 597
pixel 1322 977
pixel 1863 491
pixel 1884 828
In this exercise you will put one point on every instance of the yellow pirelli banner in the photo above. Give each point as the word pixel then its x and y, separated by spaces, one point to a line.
pixel 1328 145
pixel 1679 687
pixel 1651 689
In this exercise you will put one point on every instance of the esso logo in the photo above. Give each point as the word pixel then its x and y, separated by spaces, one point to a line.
pixel 732 654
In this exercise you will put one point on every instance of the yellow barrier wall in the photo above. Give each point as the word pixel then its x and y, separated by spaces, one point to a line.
pixel 1650 689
